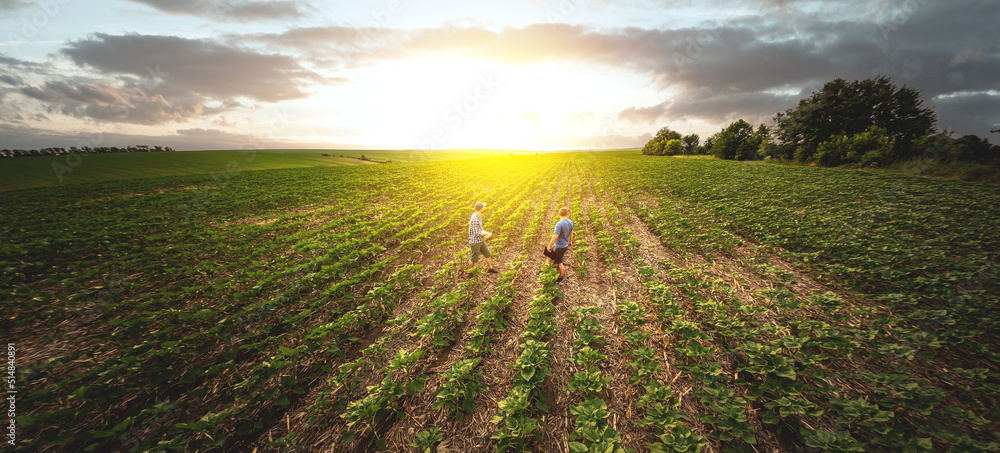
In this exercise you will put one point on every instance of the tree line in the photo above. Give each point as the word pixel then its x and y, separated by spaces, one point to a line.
pixel 83 150
pixel 866 123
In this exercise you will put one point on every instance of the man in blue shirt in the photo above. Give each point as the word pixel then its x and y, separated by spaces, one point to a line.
pixel 562 240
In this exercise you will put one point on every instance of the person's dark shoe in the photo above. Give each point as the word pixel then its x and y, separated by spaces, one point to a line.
pixel 493 271
pixel 559 280
pixel 470 275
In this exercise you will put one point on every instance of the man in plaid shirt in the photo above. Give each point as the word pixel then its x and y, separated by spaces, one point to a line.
pixel 477 244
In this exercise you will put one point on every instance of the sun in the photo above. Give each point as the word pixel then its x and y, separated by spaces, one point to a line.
pixel 469 103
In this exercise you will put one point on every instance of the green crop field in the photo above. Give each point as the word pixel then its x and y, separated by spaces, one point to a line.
pixel 708 306
pixel 49 171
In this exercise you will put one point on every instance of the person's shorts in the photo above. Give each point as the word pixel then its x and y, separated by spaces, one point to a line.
pixel 556 254
pixel 478 249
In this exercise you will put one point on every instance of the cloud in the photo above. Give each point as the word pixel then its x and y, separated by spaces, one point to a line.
pixel 531 44
pixel 643 115
pixel 10 63
pixel 151 80
pixel 756 65
pixel 13 5
pixel 195 67
pixel 332 48
pixel 223 121
pixel 223 10
pixel 11 79
pixel 307 37
pixel 103 102
pixel 979 111
pixel 741 55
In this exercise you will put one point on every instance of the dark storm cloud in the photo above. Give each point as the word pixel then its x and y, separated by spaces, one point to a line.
pixel 647 115
pixel 239 10
pixel 755 107
pixel 731 70
pixel 106 103
pixel 10 79
pixel 978 112
pixel 89 94
pixel 195 67
pixel 153 80
pixel 9 63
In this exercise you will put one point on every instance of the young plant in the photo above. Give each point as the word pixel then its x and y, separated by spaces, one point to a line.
pixel 424 441
pixel 461 384
pixel 589 382
pixel 591 427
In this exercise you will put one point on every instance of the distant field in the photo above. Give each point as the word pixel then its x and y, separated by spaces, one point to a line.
pixel 32 172
pixel 413 155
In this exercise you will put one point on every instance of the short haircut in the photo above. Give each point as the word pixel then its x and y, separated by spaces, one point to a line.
pixel 564 212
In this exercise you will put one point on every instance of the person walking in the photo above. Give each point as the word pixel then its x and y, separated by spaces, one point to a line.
pixel 562 240
pixel 477 241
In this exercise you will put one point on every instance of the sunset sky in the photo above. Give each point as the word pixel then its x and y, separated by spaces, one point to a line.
pixel 528 74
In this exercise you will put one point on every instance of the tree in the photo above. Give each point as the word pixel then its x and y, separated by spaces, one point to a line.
pixel 673 148
pixel 666 134
pixel 653 147
pixel 945 148
pixel 709 143
pixel 657 145
pixel 738 141
pixel 767 149
pixel 871 148
pixel 972 148
pixel 843 108
pixel 691 143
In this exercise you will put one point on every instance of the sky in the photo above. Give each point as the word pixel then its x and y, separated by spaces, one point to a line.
pixel 422 74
